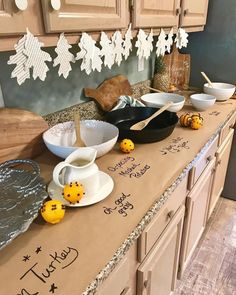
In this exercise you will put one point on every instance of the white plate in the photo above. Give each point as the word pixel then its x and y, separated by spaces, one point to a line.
pixel 106 187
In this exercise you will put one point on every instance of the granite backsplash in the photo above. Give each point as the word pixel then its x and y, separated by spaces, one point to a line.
pixel 91 110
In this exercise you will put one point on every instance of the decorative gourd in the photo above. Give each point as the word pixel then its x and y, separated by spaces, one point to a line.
pixel 185 120
pixel 196 121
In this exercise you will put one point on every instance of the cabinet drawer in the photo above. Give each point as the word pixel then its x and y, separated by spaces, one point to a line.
pixel 202 163
pixel 117 283
pixel 163 218
pixel 228 126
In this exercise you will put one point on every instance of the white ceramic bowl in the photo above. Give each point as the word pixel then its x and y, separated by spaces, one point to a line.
pixel 157 100
pixel 221 91
pixel 99 135
pixel 202 101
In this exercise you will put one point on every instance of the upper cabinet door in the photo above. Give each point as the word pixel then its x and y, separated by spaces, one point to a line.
pixel 17 15
pixel 84 15
pixel 193 13
pixel 11 18
pixel 156 13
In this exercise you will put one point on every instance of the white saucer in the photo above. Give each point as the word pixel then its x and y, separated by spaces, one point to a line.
pixel 106 187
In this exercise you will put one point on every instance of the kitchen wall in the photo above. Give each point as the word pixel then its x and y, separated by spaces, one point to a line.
pixel 56 93
pixel 214 50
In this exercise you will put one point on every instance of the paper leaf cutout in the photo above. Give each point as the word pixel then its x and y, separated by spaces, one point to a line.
pixel 64 56
pixel 117 42
pixel 181 38
pixel 20 72
pixel 161 44
pixel 169 41
pixel 127 42
pixel 90 54
pixel 107 50
pixel 144 44
pixel 36 57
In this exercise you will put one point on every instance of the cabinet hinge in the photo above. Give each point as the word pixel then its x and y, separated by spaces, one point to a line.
pixel 131 4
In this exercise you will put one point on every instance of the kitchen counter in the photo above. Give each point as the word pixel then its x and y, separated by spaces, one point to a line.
pixel 76 255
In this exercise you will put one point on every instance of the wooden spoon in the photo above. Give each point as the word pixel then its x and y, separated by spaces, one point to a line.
pixel 153 89
pixel 78 141
pixel 207 79
pixel 140 125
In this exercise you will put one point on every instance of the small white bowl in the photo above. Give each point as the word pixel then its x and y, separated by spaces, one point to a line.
pixel 202 101
pixel 99 135
pixel 157 100
pixel 221 91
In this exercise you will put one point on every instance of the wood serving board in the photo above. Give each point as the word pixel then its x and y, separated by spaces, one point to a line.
pixel 108 92
pixel 20 134
pixel 178 68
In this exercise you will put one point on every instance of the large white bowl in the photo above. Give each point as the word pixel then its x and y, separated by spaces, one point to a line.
pixel 202 101
pixel 222 91
pixel 157 100
pixel 99 135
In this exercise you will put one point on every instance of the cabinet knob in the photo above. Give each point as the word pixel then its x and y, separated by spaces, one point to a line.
pixel 219 162
pixel 56 4
pixel 186 11
pixel 170 214
pixel 209 158
pixel 21 4
pixel 177 11
pixel 231 126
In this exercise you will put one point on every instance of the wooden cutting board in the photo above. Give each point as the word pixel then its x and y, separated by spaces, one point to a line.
pixel 108 92
pixel 178 68
pixel 20 134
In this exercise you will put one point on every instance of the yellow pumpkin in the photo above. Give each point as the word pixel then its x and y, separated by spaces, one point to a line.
pixel 185 120
pixel 196 121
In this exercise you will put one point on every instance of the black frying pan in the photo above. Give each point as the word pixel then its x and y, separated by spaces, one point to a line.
pixel 159 128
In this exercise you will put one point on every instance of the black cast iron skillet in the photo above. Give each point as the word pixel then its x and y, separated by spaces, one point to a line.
pixel 158 129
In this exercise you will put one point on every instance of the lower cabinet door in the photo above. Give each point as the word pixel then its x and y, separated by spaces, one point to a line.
pixel 222 159
pixel 197 203
pixel 157 274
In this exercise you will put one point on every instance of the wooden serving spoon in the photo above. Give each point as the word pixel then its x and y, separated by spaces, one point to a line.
pixel 78 141
pixel 154 89
pixel 207 79
pixel 140 125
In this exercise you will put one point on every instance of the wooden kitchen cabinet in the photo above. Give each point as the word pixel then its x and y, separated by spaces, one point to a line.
pixel 85 15
pixel 193 13
pixel 156 13
pixel 197 203
pixel 14 20
pixel 222 159
pixel 122 281
pixel 157 274
pixel 170 13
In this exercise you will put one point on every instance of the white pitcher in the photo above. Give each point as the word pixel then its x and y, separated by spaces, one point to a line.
pixel 79 166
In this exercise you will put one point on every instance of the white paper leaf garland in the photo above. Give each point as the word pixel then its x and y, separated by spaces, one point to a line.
pixel 107 50
pixel 20 72
pixel 117 42
pixel 144 44
pixel 64 57
pixel 161 44
pixel 181 38
pixel 36 57
pixel 90 54
pixel 169 41
pixel 128 42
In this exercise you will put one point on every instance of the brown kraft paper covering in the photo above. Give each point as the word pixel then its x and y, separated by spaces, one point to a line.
pixel 64 258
